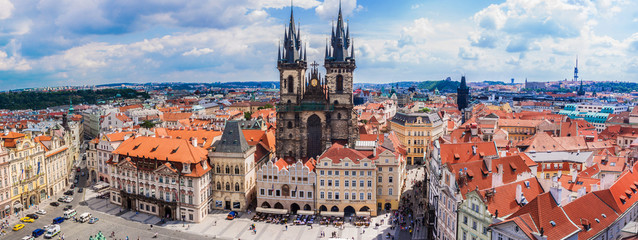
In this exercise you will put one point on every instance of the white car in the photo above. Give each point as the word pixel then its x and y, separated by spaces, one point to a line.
pixel 41 212
pixel 68 199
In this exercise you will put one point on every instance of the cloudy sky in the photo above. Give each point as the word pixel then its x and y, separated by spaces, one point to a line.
pixel 78 42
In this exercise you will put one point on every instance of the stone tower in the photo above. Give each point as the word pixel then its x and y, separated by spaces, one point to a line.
pixel 462 95
pixel 314 112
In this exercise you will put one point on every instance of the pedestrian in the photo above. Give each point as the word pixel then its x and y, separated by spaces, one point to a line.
pixel 151 227
pixel 286 227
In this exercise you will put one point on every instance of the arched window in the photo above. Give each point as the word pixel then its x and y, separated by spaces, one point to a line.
pixel 236 187
pixel 338 115
pixel 218 170
pixel 290 84
pixel 289 124
pixel 236 169
pixel 227 186
pixel 339 83
pixel 219 186
pixel 336 102
pixel 227 170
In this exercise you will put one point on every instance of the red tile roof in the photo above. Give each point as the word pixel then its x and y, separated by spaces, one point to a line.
pixel 462 152
pixel 503 198
pixel 544 211
pixel 169 149
pixel 337 152
pixel 598 215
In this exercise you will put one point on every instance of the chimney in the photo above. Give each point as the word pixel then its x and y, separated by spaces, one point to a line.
pixel 519 193
pixel 473 149
pixel 194 141
pixel 574 174
pixel 557 192
pixel 126 137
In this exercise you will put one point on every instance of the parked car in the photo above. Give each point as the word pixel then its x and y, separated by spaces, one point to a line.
pixel 41 212
pixel 231 215
pixel 69 192
pixel 67 207
pixel 38 232
pixel 18 226
pixel 55 204
pixel 27 220
pixel 80 190
pixel 52 231
pixel 93 220
pixel 33 215
pixel 73 186
pixel 58 220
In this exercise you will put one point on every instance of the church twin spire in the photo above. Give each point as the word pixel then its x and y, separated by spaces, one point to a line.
pixel 340 41
pixel 337 51
pixel 293 50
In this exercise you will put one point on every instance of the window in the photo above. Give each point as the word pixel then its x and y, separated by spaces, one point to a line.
pixel 321 182
pixel 329 173
pixel 336 173
pixel 379 191
pixel 336 195
pixel 329 195
pixel 227 170
pixel 389 191
pixel 329 183
pixel 369 183
pixel 339 83
pixel 346 173
pixel 227 186
pixel 236 170
pixel 354 173
pixel 380 179
pixel 369 173
pixel 390 179
pixel 236 187
pixel 354 196
pixel 474 225
pixel 380 169
pixel 321 172
pixel 361 196
pixel 309 194
pixel 390 169
pixel 465 220
pixel 346 183
pixel 277 192
pixel 336 183
pixel 369 196
pixel 354 183
pixel 361 183
pixel 262 192
pixel 321 195
pixel 346 196
pixel 301 194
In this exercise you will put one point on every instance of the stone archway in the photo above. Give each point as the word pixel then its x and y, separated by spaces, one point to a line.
pixel 349 211
pixel 364 209
pixel 265 205
pixel 307 207
pixel 323 208
pixel 279 206
pixel 33 200
pixel 334 209
pixel 294 207
pixel 168 212
pixel 388 206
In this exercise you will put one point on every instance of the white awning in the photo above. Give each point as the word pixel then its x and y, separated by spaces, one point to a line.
pixel 332 214
pixel 303 212
pixel 19 205
pixel 363 214
pixel 271 210
pixel 7 207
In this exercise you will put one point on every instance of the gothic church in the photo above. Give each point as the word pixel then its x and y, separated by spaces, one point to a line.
pixel 314 111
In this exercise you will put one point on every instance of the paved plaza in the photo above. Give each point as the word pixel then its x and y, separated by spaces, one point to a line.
pixel 215 226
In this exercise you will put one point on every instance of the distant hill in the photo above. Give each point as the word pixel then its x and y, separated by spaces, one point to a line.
pixel 42 100
pixel 443 85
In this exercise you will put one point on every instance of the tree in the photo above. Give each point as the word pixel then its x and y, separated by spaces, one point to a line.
pixel 267 106
pixel 425 110
pixel 147 124
pixel 247 115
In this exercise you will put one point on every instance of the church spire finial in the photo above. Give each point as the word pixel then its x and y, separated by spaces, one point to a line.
pixel 352 50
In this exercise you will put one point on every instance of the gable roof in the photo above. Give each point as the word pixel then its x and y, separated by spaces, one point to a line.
pixel 233 140
pixel 544 211
pixel 503 198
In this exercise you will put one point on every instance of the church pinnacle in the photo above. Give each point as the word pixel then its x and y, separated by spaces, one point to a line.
pixel 292 47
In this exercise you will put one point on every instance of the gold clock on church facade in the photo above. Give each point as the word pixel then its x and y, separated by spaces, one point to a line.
pixel 314 82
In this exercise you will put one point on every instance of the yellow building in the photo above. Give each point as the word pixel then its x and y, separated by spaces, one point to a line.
pixel 519 129
pixel 27 170
pixel 415 131
pixel 346 183
pixel 390 164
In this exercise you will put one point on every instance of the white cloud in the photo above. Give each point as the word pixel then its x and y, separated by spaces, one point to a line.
pixel 13 63
pixel 329 9
pixel 198 52
pixel 6 9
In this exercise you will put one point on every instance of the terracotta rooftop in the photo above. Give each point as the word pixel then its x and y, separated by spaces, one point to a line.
pixel 169 149
pixel 463 152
